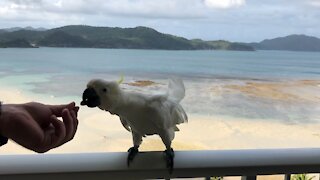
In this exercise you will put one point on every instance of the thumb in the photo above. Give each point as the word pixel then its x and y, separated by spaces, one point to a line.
pixel 57 109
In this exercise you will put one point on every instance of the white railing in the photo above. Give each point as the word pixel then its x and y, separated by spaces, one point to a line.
pixel 151 165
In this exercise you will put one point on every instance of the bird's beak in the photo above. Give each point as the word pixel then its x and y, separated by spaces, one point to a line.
pixel 83 103
pixel 90 98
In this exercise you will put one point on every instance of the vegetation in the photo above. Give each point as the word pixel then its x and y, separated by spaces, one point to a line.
pixel 62 39
pixel 107 37
pixel 216 178
pixel 21 43
pixel 221 44
pixel 301 177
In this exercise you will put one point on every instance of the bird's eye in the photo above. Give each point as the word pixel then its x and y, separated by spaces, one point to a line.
pixel 104 90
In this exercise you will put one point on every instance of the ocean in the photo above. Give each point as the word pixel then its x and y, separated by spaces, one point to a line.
pixel 272 85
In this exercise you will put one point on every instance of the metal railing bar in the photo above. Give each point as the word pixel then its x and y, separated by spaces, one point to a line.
pixel 152 165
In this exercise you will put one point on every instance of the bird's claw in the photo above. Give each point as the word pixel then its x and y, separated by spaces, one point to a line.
pixel 133 151
pixel 169 158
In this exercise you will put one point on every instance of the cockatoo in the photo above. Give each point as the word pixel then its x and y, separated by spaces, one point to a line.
pixel 141 114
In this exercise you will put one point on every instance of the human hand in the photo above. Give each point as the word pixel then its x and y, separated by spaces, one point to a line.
pixel 35 126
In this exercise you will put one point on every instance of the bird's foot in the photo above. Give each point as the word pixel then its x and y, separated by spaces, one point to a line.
pixel 133 151
pixel 169 153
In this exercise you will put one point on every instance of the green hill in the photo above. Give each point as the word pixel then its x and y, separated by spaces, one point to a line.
pixel 131 38
pixel 63 39
pixel 107 37
pixel 290 43
pixel 221 44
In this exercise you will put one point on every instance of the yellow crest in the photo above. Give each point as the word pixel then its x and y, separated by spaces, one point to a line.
pixel 121 79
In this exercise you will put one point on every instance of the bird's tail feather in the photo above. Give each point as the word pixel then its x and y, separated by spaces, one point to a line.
pixel 179 114
pixel 176 90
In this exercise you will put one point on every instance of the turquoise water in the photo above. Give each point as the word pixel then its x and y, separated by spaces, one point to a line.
pixel 213 64
pixel 64 72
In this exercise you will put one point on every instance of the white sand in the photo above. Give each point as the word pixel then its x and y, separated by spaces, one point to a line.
pixel 99 131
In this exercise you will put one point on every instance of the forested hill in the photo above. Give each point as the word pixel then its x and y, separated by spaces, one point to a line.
pixel 107 37
pixel 289 43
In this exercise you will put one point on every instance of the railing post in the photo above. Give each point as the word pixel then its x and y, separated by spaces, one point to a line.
pixel 248 177
pixel 287 177
pixel 214 178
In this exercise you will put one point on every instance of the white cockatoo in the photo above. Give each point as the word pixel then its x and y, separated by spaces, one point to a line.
pixel 141 114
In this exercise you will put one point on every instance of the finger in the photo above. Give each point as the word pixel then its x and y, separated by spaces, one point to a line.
pixel 57 109
pixel 71 105
pixel 60 131
pixel 75 123
pixel 69 124
pixel 76 110
pixel 75 119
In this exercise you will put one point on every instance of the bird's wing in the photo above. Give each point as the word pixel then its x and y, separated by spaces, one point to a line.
pixel 125 124
pixel 167 112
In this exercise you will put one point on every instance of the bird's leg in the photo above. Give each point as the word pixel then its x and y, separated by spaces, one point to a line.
pixel 133 151
pixel 167 137
pixel 169 153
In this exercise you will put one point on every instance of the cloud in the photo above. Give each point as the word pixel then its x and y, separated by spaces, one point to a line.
pixel 207 19
pixel 25 2
pixel 180 9
pixel 315 3
pixel 167 9
pixel 224 4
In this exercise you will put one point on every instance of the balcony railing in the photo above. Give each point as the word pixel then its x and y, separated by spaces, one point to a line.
pixel 151 165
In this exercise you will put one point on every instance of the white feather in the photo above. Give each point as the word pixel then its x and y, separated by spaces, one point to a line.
pixel 176 90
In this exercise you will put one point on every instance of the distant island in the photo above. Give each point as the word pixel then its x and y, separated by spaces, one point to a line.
pixel 138 38
pixel 289 43
pixel 107 37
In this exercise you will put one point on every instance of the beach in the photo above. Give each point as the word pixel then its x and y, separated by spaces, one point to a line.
pixel 100 131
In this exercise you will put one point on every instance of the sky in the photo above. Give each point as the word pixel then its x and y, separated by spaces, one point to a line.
pixel 233 20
